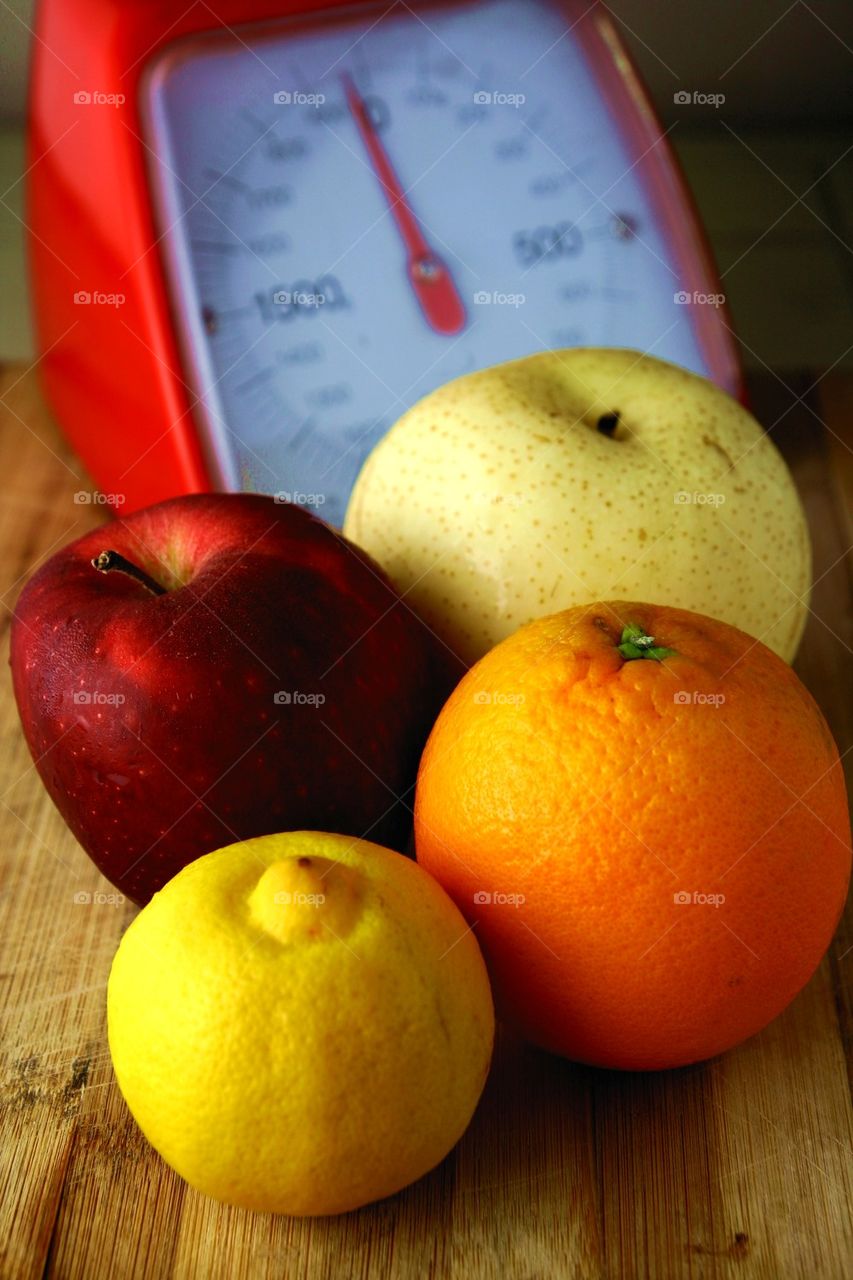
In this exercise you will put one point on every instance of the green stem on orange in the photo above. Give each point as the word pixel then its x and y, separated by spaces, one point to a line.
pixel 635 643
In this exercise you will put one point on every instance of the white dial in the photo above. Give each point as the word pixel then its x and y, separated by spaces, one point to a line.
pixel 315 180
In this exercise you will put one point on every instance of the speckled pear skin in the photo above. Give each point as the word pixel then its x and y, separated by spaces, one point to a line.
pixel 502 496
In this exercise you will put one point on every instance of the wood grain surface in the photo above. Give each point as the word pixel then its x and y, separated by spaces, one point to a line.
pixel 738 1167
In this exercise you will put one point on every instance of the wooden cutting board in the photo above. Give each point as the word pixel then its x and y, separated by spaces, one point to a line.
pixel 738 1167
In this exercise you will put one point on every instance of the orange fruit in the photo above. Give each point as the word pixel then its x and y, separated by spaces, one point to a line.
pixel 642 812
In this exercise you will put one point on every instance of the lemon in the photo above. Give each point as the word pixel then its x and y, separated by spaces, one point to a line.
pixel 300 1023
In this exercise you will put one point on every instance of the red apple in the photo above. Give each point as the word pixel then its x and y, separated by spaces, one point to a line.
pixel 243 670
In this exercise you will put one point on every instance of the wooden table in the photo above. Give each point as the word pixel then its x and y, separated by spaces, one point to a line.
pixel 738 1167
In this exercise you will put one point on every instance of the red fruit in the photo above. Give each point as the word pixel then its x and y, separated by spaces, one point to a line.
pixel 272 679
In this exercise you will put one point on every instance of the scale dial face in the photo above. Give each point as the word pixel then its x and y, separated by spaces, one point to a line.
pixel 356 209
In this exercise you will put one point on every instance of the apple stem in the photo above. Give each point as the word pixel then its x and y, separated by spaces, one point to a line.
pixel 108 561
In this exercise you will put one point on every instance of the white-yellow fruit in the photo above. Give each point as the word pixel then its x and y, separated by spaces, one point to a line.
pixel 572 476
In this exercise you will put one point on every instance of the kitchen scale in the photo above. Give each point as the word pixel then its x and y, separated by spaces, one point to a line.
pixel 260 230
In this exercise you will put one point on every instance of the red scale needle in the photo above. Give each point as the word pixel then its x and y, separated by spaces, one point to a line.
pixel 431 281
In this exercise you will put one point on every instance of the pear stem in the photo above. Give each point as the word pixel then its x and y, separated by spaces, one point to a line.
pixel 108 561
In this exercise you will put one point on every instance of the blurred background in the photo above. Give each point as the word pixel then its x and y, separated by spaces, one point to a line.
pixel 771 169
